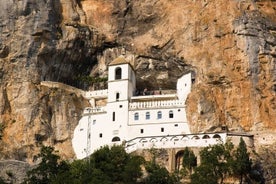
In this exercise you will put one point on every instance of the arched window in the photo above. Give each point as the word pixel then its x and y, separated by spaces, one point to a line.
pixel 174 138
pixel 185 138
pixel 195 137
pixel 143 140
pixel 164 139
pixel 159 115
pixel 118 73
pixel 117 96
pixel 136 116
pixel 116 139
pixel 206 137
pixel 170 114
pixel 216 136
pixel 147 115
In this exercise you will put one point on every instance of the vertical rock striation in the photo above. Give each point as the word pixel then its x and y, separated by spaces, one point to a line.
pixel 229 46
pixel 42 40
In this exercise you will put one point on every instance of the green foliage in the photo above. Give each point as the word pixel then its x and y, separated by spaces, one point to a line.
pixel 242 163
pixel 105 166
pixel 214 166
pixel 2 181
pixel 133 169
pixel 49 170
pixel 158 175
pixel 189 160
pixel 116 165
pixel 204 174
pixel 219 161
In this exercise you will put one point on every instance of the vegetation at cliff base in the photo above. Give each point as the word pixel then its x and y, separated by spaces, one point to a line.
pixel 189 162
pixel 222 161
pixel 105 166
pixel 112 165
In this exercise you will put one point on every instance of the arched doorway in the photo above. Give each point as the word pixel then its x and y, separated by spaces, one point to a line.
pixel 116 139
pixel 178 160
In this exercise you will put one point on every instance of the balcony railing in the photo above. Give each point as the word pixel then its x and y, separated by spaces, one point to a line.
pixel 156 104
pixel 90 110
pixel 175 141
pixel 95 94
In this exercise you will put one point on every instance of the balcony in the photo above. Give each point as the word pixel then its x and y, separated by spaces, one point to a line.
pixel 96 110
pixel 156 104
pixel 95 94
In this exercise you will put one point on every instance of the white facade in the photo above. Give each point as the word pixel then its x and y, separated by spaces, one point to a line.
pixel 126 117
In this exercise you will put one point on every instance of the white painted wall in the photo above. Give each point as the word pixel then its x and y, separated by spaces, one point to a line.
pixel 184 85
pixel 125 71
pixel 172 141
pixel 179 115
pixel 155 129
pixel 103 127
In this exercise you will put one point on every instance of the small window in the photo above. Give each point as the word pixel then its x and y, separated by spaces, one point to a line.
pixel 162 129
pixel 170 114
pixel 159 115
pixel 120 106
pixel 147 115
pixel 176 125
pixel 113 116
pixel 118 73
pixel 141 131
pixel 100 135
pixel 117 96
pixel 94 122
pixel 136 116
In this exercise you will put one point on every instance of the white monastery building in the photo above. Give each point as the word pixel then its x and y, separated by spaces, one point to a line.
pixel 118 115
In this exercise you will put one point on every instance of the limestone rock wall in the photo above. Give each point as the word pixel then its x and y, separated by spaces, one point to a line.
pixel 228 45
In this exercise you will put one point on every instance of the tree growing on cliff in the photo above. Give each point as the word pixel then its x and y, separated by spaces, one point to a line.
pixel 2 181
pixel 189 160
pixel 105 166
pixel 242 164
pixel 158 174
pixel 215 164
pixel 117 165
pixel 50 170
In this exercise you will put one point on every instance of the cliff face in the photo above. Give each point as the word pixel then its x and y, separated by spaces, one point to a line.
pixel 229 46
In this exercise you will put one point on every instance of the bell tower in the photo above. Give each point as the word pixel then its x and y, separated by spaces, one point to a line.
pixel 121 80
pixel 121 87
